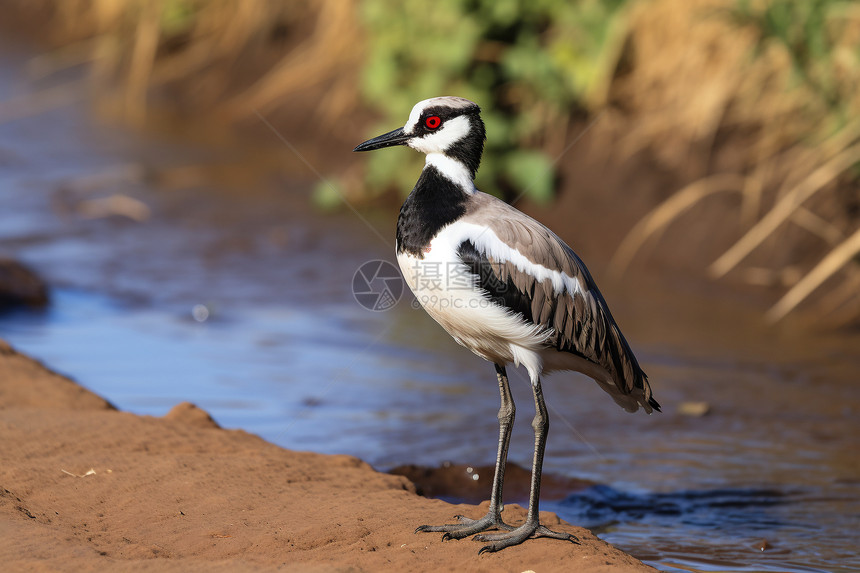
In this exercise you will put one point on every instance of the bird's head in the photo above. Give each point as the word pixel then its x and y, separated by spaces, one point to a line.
pixel 449 126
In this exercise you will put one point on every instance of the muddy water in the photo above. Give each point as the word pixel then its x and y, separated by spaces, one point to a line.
pixel 768 480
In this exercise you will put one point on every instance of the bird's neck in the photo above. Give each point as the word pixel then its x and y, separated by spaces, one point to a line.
pixel 451 169
pixel 438 199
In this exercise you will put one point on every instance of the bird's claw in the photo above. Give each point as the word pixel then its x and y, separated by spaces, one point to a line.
pixel 499 541
pixel 466 527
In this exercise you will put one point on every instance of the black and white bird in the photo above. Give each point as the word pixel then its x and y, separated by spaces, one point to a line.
pixel 505 287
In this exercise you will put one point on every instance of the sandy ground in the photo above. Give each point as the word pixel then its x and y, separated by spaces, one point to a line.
pixel 86 487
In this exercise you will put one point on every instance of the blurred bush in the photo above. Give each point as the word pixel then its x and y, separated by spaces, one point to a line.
pixel 760 99
pixel 531 65
pixel 222 59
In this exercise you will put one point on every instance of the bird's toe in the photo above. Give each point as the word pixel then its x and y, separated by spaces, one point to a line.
pixel 466 527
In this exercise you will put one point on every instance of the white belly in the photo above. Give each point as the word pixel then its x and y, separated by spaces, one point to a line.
pixel 445 288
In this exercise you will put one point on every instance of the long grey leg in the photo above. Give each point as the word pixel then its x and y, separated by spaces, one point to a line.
pixel 507 413
pixel 493 519
pixel 540 424
pixel 532 526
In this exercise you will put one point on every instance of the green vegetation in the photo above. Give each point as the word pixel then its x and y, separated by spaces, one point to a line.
pixel 530 65
pixel 819 38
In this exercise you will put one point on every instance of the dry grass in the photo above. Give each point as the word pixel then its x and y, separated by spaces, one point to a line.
pixel 700 83
pixel 835 260
pixel 225 58
pixel 650 227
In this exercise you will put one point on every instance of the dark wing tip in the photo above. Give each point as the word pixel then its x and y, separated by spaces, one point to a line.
pixel 654 404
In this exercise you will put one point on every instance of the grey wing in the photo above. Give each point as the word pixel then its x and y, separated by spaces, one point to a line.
pixel 579 317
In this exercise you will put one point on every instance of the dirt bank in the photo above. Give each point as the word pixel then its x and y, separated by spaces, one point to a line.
pixel 85 487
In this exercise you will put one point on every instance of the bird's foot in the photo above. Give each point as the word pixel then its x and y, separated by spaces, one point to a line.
pixel 499 541
pixel 467 526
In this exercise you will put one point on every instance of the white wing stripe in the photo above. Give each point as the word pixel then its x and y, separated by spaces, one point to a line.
pixel 487 241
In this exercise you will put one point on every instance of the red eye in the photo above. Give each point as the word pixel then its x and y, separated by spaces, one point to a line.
pixel 433 122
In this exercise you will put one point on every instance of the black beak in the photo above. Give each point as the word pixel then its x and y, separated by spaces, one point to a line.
pixel 396 137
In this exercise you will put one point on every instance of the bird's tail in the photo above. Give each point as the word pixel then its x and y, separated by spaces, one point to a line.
pixel 638 397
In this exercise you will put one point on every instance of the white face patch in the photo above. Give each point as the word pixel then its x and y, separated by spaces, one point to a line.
pixel 450 102
pixel 439 141
pixel 415 115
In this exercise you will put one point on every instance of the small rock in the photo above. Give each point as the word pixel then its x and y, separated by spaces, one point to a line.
pixel 114 205
pixel 694 409
pixel 19 285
